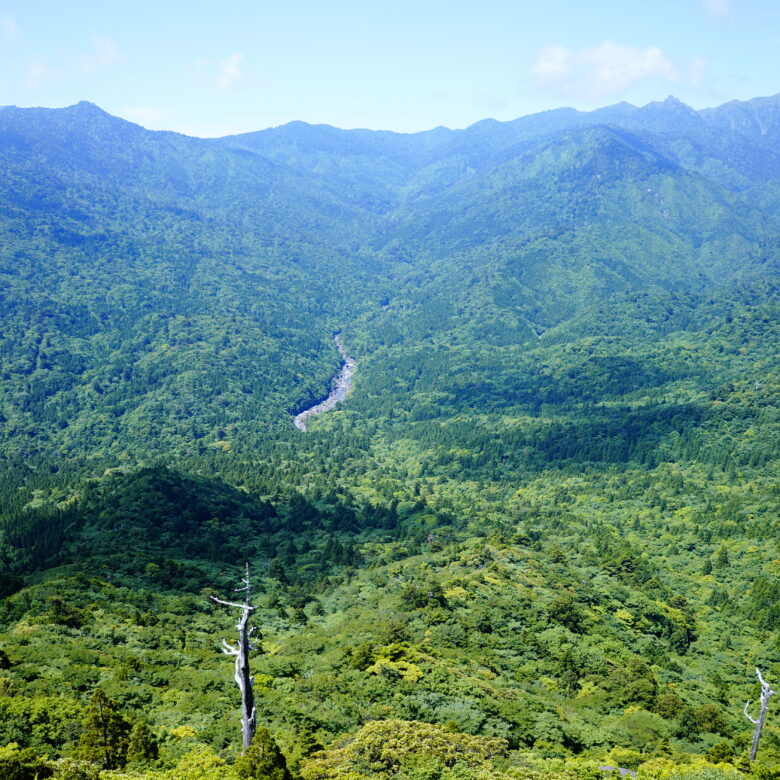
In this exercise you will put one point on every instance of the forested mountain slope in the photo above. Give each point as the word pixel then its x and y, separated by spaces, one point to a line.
pixel 539 535
pixel 150 280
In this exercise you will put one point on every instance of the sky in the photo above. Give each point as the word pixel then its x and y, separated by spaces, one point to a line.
pixel 217 68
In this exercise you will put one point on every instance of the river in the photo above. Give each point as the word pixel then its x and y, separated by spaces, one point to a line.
pixel 342 384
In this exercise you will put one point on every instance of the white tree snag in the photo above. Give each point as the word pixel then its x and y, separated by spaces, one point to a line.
pixel 241 651
pixel 766 692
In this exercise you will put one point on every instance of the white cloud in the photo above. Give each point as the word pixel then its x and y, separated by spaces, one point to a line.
pixel 716 10
pixel 143 115
pixel 554 61
pixel 8 28
pixel 606 70
pixel 104 52
pixel 697 71
pixel 230 71
pixel 615 66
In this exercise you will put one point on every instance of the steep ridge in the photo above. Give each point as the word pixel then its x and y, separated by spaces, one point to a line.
pixel 136 261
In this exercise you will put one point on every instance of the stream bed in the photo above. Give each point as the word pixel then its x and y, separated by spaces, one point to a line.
pixel 342 383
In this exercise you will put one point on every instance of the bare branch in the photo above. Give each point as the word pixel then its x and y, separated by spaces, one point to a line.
pixel 229 649
pixel 766 693
pixel 231 604
pixel 247 586
pixel 765 689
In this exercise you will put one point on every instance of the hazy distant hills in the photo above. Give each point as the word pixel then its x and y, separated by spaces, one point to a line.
pixel 140 267
pixel 753 124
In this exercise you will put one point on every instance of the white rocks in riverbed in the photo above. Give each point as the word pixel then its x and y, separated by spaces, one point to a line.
pixel 341 387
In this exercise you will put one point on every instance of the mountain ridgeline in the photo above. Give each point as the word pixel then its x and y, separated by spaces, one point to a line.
pixel 540 534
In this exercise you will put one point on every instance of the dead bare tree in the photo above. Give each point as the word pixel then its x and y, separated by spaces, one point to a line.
pixel 241 651
pixel 766 692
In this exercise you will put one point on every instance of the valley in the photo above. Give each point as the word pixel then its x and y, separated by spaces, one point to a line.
pixel 533 528
pixel 342 384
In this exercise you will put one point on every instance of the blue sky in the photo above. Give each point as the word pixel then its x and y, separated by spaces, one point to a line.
pixel 207 68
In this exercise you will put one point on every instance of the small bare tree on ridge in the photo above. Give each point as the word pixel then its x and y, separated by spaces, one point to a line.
pixel 766 692
pixel 241 650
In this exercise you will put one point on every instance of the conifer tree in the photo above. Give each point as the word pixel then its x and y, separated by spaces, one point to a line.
pixel 142 745
pixel 262 760
pixel 104 738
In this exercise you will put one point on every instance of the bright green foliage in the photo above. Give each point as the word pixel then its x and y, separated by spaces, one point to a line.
pixel 666 770
pixel 199 764
pixel 387 748
pixel 545 519
pixel 42 722
pixel 71 769
pixel 22 764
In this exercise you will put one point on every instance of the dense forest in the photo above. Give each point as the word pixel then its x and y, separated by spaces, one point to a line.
pixel 539 537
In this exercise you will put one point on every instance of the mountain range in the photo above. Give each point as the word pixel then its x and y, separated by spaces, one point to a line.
pixel 539 534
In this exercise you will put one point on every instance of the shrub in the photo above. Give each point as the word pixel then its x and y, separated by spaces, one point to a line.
pixel 22 764
pixel 384 748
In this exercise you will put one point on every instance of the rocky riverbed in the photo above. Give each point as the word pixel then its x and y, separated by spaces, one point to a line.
pixel 342 383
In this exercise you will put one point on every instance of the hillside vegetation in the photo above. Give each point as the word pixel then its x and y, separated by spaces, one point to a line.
pixel 540 536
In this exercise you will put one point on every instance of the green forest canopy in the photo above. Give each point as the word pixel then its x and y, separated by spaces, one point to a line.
pixel 539 536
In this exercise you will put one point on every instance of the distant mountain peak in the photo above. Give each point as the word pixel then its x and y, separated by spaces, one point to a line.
pixel 672 103
pixel 86 107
